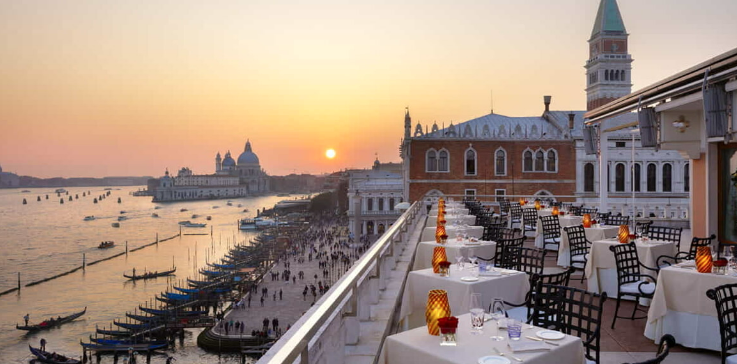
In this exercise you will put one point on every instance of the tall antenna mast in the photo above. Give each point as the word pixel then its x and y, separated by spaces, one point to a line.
pixel 492 101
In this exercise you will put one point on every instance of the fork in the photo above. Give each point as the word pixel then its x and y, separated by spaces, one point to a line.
pixel 510 355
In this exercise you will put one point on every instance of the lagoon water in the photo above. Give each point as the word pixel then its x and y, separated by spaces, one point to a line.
pixel 42 239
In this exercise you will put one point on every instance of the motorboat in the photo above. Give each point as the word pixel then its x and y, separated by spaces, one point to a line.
pixel 89 218
pixel 191 224
pixel 208 218
pixel 154 215
pixel 116 224
pixel 183 210
pixel 247 224
pixel 60 190
pixel 106 244
pixel 195 216
pixel 121 218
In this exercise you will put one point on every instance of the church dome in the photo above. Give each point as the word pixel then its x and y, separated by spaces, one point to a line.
pixel 228 161
pixel 248 156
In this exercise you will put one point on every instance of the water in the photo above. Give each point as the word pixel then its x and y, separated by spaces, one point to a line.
pixel 42 239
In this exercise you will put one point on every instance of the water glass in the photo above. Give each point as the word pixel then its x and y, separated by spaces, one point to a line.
pixel 477 314
pixel 514 329
pixel 498 312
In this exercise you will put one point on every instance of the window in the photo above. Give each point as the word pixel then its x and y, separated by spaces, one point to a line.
pixel 381 204
pixel 552 161
pixel 588 177
pixel 539 161
pixel 651 176
pixel 432 161
pixel 686 178
pixel 667 182
pixel 636 176
pixel 471 194
pixel 619 177
pixel 620 144
pixel 470 162
pixel 500 193
pixel 369 204
pixel 606 75
pixel 500 167
pixel 443 161
pixel 527 161
pixel 622 75
pixel 391 204
pixel 608 177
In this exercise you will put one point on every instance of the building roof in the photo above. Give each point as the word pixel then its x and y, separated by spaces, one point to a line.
pixel 248 156
pixel 608 19
pixel 495 126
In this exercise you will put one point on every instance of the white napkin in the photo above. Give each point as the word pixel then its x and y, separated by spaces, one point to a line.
pixel 522 346
pixel 688 263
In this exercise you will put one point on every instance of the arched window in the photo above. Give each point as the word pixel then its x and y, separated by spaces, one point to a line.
pixel 381 204
pixel 552 165
pixel 619 177
pixel 500 163
pixel 527 161
pixel 621 75
pixel 686 177
pixel 431 164
pixel 588 177
pixel 470 162
pixel 667 174
pixel 651 177
pixel 616 75
pixel 539 161
pixel 443 161
pixel 606 75
pixel 636 177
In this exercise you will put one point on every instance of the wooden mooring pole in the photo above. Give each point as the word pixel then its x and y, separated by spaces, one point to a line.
pixel 18 281
pixel 84 261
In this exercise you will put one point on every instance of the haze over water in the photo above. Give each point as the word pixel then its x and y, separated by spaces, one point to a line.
pixel 42 239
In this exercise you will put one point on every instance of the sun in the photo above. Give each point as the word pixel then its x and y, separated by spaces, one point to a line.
pixel 330 153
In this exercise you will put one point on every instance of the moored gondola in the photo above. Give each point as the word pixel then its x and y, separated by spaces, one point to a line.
pixel 117 333
pixel 150 275
pixel 171 312
pixel 134 327
pixel 52 322
pixel 51 358
pixel 122 347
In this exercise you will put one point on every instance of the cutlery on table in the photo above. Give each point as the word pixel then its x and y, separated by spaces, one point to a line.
pixel 510 355
pixel 539 339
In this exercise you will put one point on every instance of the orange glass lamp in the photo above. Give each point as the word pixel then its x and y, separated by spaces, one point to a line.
pixel 437 307
pixel 703 259
pixel 555 211
pixel 537 205
pixel 624 234
pixel 439 232
pixel 586 220
pixel 522 202
pixel 438 256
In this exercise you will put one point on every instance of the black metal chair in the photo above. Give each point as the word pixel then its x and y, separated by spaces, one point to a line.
pixel 504 206
pixel 575 210
pixel 666 342
pixel 522 311
pixel 617 220
pixel 602 216
pixel 515 214
pixel 502 244
pixel 630 282
pixel 666 260
pixel 666 233
pixel 725 299
pixel 579 247
pixel 643 227
pixel 529 216
pixel 589 210
pixel 551 232
pixel 528 260
pixel 572 311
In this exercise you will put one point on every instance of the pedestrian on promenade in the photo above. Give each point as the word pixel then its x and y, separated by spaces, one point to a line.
pixel 262 301
pixel 275 323
pixel 243 326
pixel 274 296
pixel 43 344
pixel 266 323
pixel 280 294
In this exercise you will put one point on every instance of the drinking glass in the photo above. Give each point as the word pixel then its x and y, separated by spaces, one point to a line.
pixel 459 260
pixel 498 312
pixel 514 329
pixel 472 256
pixel 477 314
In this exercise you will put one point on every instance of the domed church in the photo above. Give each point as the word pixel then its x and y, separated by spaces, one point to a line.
pixel 247 169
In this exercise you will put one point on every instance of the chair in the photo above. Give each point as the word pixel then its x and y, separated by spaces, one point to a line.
pixel 725 299
pixel 666 342
pixel 483 217
pixel 666 233
pixel 522 311
pixel 589 210
pixel 528 260
pixel 515 214
pixel 643 226
pixel 617 220
pixel 499 231
pixel 666 260
pixel 551 232
pixel 504 206
pixel 572 311
pixel 530 219
pixel 575 210
pixel 579 246
pixel 630 282
pixel 602 216
pixel 502 244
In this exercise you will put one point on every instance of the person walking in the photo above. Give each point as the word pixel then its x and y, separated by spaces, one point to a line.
pixel 266 323
pixel 275 323
pixel 262 301
pixel 280 294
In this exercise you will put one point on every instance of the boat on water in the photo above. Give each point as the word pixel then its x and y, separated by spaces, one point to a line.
pixel 51 358
pixel 113 341
pixel 119 347
pixel 116 224
pixel 89 218
pixel 191 224
pixel 229 203
pixel 194 216
pixel 121 218
pixel 247 224
pixel 150 275
pixel 208 218
pixel 183 210
pixel 60 190
pixel 106 244
pixel 52 322
pixel 154 215
pixel 116 333
pixel 25 191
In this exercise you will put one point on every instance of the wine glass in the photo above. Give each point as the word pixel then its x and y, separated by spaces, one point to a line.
pixel 498 312
pixel 472 256
pixel 459 260
pixel 477 314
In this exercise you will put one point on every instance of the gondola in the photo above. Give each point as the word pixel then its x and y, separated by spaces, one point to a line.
pixel 171 312
pixel 47 324
pixel 150 275
pixel 118 333
pixel 122 347
pixel 212 273
pixel 128 342
pixel 135 327
pixel 143 318
pixel 51 358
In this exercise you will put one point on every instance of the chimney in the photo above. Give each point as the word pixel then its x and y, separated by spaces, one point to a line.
pixel 571 117
pixel 546 99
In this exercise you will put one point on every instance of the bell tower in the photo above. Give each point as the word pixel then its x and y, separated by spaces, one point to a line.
pixel 608 69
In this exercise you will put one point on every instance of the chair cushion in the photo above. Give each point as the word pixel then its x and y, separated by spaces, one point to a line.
pixel 732 359
pixel 518 313
pixel 580 258
pixel 647 288
pixel 530 227
pixel 552 240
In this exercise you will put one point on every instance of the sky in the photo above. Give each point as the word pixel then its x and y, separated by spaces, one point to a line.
pixel 95 88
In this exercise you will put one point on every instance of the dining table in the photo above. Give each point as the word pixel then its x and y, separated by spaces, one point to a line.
pixel 418 346
pixel 593 233
pixel 428 233
pixel 510 285
pixel 453 248
pixel 449 210
pixel 681 308
pixel 432 220
pixel 601 268
pixel 564 221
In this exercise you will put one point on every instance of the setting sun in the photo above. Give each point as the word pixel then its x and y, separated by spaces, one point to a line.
pixel 330 153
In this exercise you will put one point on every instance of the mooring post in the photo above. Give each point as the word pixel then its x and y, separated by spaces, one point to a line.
pixel 157 235
pixel 126 247
pixel 18 281
pixel 84 261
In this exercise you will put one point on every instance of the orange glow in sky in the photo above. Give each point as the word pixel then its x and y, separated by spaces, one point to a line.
pixel 94 88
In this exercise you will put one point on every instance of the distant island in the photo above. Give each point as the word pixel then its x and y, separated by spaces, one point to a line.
pixel 28 181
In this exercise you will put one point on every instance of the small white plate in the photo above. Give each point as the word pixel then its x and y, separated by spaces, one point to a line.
pixel 469 279
pixel 550 334
pixel 493 359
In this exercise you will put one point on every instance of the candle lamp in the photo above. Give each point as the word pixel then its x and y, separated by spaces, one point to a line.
pixel 438 255
pixel 555 211
pixel 439 232
pixel 703 259
pixel 624 234
pixel 436 308
pixel 537 205
pixel 586 220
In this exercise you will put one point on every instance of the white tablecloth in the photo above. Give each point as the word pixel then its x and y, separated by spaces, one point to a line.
pixel 417 346
pixel 425 249
pixel 511 288
pixel 592 234
pixel 680 308
pixel 473 231
pixel 450 210
pixel 432 220
pixel 564 221
pixel 601 269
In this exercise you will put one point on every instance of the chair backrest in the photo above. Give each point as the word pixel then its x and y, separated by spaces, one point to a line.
pixel 628 263
pixel 577 241
pixel 666 342
pixel 528 260
pixel 530 216
pixel 589 210
pixel 666 233
pixel 575 210
pixel 602 216
pixel 581 316
pixel 504 205
pixel 515 210
pixel 725 299
pixel 502 245
pixel 643 226
pixel 551 226
pixel 617 220
pixel 698 242
pixel 500 231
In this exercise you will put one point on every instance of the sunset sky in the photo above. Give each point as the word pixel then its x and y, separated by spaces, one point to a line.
pixel 94 88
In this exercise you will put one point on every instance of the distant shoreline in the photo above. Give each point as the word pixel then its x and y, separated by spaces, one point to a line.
pixel 30 182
